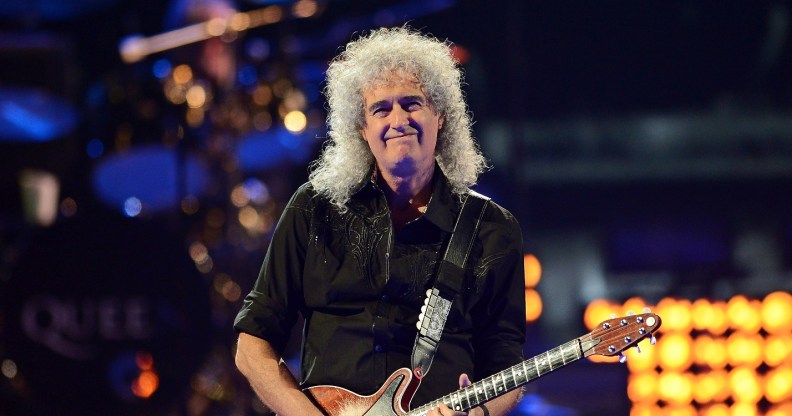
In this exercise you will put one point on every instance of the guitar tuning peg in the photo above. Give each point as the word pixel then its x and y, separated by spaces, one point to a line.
pixel 418 324
pixel 613 316
pixel 423 309
pixel 428 292
pixel 622 358
pixel 630 313
pixel 420 317
pixel 646 310
pixel 653 340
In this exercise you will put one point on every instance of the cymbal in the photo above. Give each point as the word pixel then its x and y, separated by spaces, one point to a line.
pixel 31 115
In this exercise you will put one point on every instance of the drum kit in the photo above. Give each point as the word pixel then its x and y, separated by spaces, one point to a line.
pixel 99 311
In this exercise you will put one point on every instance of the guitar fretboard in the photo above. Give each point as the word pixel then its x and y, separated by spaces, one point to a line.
pixel 506 380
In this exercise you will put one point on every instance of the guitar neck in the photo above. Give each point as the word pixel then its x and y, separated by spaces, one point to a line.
pixel 509 379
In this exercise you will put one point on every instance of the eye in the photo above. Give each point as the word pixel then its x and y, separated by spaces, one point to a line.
pixel 380 112
pixel 414 106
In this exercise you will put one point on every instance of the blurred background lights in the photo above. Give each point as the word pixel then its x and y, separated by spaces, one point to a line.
pixel 295 121
pixel 132 207
pixel 196 96
pixel 676 388
pixel 745 349
pixel 182 74
pixel 161 68
pixel 533 301
pixel 533 270
pixel 94 148
pixel 8 368
pixel 674 352
pixel 777 313
pixel 714 360
pixel 779 384
pixel 744 314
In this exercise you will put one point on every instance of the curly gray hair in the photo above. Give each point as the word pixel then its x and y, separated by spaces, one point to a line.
pixel 346 158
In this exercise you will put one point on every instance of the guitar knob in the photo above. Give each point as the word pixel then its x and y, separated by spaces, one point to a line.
pixel 622 358
pixel 630 313
pixel 646 310
pixel 613 316
pixel 638 348
pixel 653 340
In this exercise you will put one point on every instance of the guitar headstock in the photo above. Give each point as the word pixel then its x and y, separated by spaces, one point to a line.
pixel 615 335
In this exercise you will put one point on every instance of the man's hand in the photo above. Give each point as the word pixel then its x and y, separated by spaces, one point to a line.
pixel 444 410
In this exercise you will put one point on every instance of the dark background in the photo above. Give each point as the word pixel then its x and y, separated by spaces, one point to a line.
pixel 645 147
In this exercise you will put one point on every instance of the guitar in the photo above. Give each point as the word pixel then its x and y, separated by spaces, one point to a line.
pixel 611 337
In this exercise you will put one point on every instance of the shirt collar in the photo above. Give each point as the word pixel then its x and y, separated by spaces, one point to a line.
pixel 442 209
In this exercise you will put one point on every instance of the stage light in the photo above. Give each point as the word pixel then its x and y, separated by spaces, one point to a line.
pixel 645 360
pixel 744 409
pixel 533 305
pixel 248 217
pixel 196 96
pixel 231 291
pixel 778 384
pixel 778 349
pixel 305 8
pixel 783 409
pixel 711 386
pixel 182 74
pixel 634 304
pixel 145 384
pixel 744 383
pixel 533 270
pixel 295 121
pixel 710 351
pixel 777 313
pixel 745 349
pixel 744 314
pixel 676 315
pixel 676 388
pixel 598 311
pixel 8 368
pixel 718 409
pixel 642 387
pixel 687 410
pixel 239 196
pixel 674 351
pixel 262 95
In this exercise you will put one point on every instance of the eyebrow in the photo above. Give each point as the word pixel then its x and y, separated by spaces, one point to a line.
pixel 383 103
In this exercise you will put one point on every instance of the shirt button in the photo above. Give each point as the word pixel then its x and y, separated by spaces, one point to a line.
pixel 384 298
pixel 378 348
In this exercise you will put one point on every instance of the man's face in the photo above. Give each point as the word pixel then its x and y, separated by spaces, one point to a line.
pixel 400 127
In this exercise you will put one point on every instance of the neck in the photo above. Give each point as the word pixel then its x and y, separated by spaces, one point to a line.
pixel 405 191
pixel 407 196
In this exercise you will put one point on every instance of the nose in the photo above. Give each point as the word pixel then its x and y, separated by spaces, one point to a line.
pixel 399 118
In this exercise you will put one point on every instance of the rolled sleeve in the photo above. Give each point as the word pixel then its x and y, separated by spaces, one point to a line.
pixel 270 309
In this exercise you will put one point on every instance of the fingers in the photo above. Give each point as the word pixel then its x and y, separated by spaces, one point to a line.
pixel 464 380
pixel 444 410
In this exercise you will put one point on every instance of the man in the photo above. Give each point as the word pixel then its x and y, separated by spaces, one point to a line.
pixel 358 246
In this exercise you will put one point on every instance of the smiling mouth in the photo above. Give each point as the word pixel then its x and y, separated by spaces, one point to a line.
pixel 401 136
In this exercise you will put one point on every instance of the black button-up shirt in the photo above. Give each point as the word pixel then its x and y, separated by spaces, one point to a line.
pixel 360 286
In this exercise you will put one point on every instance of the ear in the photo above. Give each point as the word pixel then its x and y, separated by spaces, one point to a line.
pixel 440 122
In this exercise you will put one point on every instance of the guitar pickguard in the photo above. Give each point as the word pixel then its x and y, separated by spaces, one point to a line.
pixel 384 405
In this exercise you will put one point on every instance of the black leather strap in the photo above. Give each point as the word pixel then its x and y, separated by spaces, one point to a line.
pixel 448 283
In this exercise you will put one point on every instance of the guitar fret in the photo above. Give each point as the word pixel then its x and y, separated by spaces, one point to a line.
pixel 549 360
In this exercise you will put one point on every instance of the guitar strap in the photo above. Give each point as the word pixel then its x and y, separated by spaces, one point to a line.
pixel 448 283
